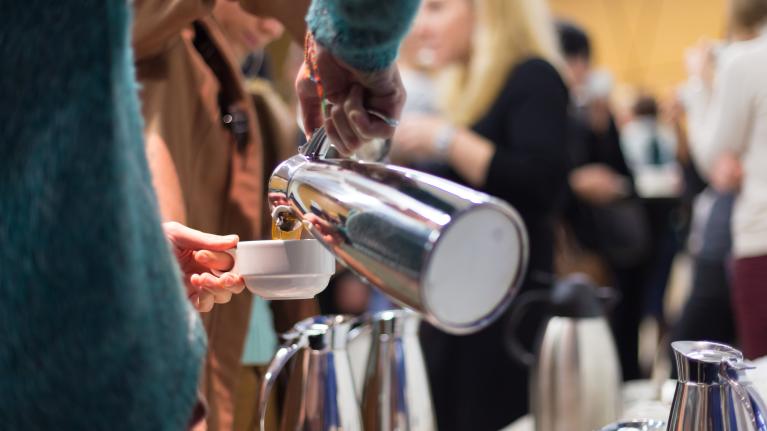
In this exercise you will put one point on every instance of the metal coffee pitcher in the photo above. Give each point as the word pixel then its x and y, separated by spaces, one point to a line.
pixel 449 252
pixel 713 393
pixel 320 391
pixel 575 376
pixel 395 391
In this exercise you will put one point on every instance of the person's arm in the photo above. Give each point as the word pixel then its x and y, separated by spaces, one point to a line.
pixel 365 34
pixel 165 179
pixel 198 254
pixel 534 169
pixel 156 22
pixel 470 155
pixel 726 125
pixel 351 50
pixel 291 13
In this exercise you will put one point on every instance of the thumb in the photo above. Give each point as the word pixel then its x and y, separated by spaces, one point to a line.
pixel 187 238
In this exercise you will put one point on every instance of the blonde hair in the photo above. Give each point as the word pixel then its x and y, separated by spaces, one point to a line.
pixel 506 32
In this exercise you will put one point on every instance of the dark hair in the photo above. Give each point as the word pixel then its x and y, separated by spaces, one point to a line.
pixel 747 14
pixel 573 40
pixel 646 106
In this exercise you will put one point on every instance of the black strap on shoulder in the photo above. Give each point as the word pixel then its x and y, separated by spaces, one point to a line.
pixel 234 119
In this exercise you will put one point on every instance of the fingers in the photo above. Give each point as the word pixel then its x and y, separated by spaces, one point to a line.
pixel 335 138
pixel 218 260
pixel 352 93
pixel 343 128
pixel 187 238
pixel 354 108
pixel 227 281
pixel 220 296
pixel 202 301
pixel 212 290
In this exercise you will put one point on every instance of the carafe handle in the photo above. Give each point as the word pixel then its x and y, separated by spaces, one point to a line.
pixel 281 358
pixel 519 310
pixel 750 400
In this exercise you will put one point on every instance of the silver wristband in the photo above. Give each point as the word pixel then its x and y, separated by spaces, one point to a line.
pixel 444 140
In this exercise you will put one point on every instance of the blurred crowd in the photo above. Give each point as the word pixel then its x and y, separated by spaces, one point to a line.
pixel 504 97
pixel 659 197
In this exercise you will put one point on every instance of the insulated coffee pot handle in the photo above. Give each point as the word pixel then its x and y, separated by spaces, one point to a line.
pixel 281 358
pixel 519 310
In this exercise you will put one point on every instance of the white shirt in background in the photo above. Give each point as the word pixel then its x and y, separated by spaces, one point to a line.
pixel 652 178
pixel 734 118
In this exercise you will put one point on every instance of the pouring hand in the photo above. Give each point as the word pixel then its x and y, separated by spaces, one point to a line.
pixel 198 254
pixel 350 94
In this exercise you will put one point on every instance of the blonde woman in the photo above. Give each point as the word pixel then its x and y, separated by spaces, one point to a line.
pixel 503 131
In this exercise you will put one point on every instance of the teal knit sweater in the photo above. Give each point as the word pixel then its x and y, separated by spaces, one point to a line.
pixel 364 33
pixel 95 330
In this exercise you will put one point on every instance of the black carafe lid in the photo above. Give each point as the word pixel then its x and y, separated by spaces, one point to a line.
pixel 576 296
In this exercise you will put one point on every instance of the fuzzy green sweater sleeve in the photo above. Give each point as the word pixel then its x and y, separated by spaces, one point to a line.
pixel 366 34
pixel 95 330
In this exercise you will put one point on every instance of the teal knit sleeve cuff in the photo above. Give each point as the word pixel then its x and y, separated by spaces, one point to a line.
pixel 365 34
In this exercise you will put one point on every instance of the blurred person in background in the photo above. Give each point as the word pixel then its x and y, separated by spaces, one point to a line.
pixel 707 313
pixel 605 230
pixel 190 80
pixel 728 134
pixel 599 175
pixel 415 63
pixel 650 146
pixel 247 36
pixel 502 130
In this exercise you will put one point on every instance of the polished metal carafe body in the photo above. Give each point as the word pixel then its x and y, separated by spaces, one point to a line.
pixel 575 377
pixel 712 391
pixel 320 393
pixel 449 252
pixel 395 389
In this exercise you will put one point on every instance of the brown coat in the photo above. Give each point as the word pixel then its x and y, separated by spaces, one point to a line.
pixel 201 178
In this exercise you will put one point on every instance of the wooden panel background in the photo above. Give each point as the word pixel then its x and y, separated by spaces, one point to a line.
pixel 642 42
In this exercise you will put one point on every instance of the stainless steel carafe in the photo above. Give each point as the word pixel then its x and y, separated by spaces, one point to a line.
pixel 575 379
pixel 636 425
pixel 712 391
pixel 449 252
pixel 395 388
pixel 320 394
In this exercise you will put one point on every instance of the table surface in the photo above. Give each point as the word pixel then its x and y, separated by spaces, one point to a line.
pixel 640 398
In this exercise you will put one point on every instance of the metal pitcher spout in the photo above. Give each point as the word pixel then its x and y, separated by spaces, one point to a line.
pixel 713 392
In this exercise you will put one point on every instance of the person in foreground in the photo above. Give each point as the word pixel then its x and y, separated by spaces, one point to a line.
pixel 95 329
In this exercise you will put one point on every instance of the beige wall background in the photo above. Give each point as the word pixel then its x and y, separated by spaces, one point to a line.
pixel 642 42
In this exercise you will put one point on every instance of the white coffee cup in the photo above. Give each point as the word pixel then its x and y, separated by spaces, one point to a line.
pixel 284 269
